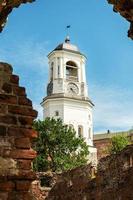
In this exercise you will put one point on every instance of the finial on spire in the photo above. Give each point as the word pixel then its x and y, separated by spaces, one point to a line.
pixel 67 40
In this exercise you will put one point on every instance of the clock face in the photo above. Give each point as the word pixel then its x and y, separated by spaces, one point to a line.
pixel 49 88
pixel 72 88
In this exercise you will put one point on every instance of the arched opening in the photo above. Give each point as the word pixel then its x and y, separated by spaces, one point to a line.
pixel 71 71
pixel 71 126
pixel 80 131
pixel 56 113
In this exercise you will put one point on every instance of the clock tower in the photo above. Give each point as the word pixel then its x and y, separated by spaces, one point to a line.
pixel 67 92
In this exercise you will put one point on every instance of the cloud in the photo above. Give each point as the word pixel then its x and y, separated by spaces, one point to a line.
pixel 29 61
pixel 113 108
pixel 25 53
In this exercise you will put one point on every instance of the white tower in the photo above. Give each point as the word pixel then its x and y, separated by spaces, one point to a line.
pixel 67 91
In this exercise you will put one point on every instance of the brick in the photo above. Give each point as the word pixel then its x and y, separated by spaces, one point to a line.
pixel 3 108
pixel 24 101
pixel 5 153
pixel 16 118
pixel 6 186
pixel 7 88
pixel 25 121
pixel 26 174
pixel 22 185
pixel 21 132
pixel 24 164
pixel 8 119
pixel 18 195
pixel 20 91
pixel 23 154
pixel 22 110
pixel 14 79
pixel 2 130
pixel 23 143
pixel 6 67
pixel 8 99
pixel 3 195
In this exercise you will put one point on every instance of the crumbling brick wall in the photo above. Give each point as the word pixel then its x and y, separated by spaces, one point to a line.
pixel 16 154
pixel 113 181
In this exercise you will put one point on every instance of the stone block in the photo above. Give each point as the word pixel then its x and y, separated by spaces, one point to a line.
pixel 20 91
pixel 23 143
pixel 24 101
pixel 24 164
pixel 23 154
pixel 21 110
pixel 7 88
pixel 8 119
pixel 3 130
pixel 6 186
pixel 8 99
pixel 14 79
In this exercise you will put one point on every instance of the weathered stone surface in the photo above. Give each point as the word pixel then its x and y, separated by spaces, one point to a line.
pixel 16 154
pixel 103 141
pixel 8 166
pixel 113 181
pixel 125 8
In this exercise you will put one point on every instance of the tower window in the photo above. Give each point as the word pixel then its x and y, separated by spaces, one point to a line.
pixel 56 113
pixel 71 126
pixel 80 131
pixel 89 116
pixel 71 71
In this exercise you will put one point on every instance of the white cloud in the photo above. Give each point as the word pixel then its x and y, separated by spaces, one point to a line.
pixel 25 53
pixel 113 108
pixel 29 61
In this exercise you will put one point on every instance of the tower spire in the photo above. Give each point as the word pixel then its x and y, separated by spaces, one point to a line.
pixel 67 40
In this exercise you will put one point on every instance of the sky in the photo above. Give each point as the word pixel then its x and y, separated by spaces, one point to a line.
pixel 33 30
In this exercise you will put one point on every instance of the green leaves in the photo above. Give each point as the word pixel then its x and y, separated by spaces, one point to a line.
pixel 58 147
pixel 118 143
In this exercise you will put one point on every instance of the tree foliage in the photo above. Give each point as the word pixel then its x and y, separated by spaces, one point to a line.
pixel 57 146
pixel 118 143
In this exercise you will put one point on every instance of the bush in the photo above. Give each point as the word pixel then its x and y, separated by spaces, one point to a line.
pixel 118 143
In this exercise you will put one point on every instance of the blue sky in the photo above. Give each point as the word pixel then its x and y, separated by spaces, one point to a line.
pixel 35 29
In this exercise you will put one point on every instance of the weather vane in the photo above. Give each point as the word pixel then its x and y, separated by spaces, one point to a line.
pixel 67 29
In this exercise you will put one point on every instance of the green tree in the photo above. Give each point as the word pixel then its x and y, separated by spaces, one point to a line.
pixel 57 146
pixel 118 143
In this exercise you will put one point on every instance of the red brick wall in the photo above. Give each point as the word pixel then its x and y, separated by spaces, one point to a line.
pixel 102 146
pixel 16 154
pixel 113 181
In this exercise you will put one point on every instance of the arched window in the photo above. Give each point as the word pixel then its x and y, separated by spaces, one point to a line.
pixel 80 131
pixel 89 117
pixel 56 113
pixel 71 71
pixel 51 71
pixel 71 126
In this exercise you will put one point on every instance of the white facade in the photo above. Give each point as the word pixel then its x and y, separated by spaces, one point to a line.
pixel 67 91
